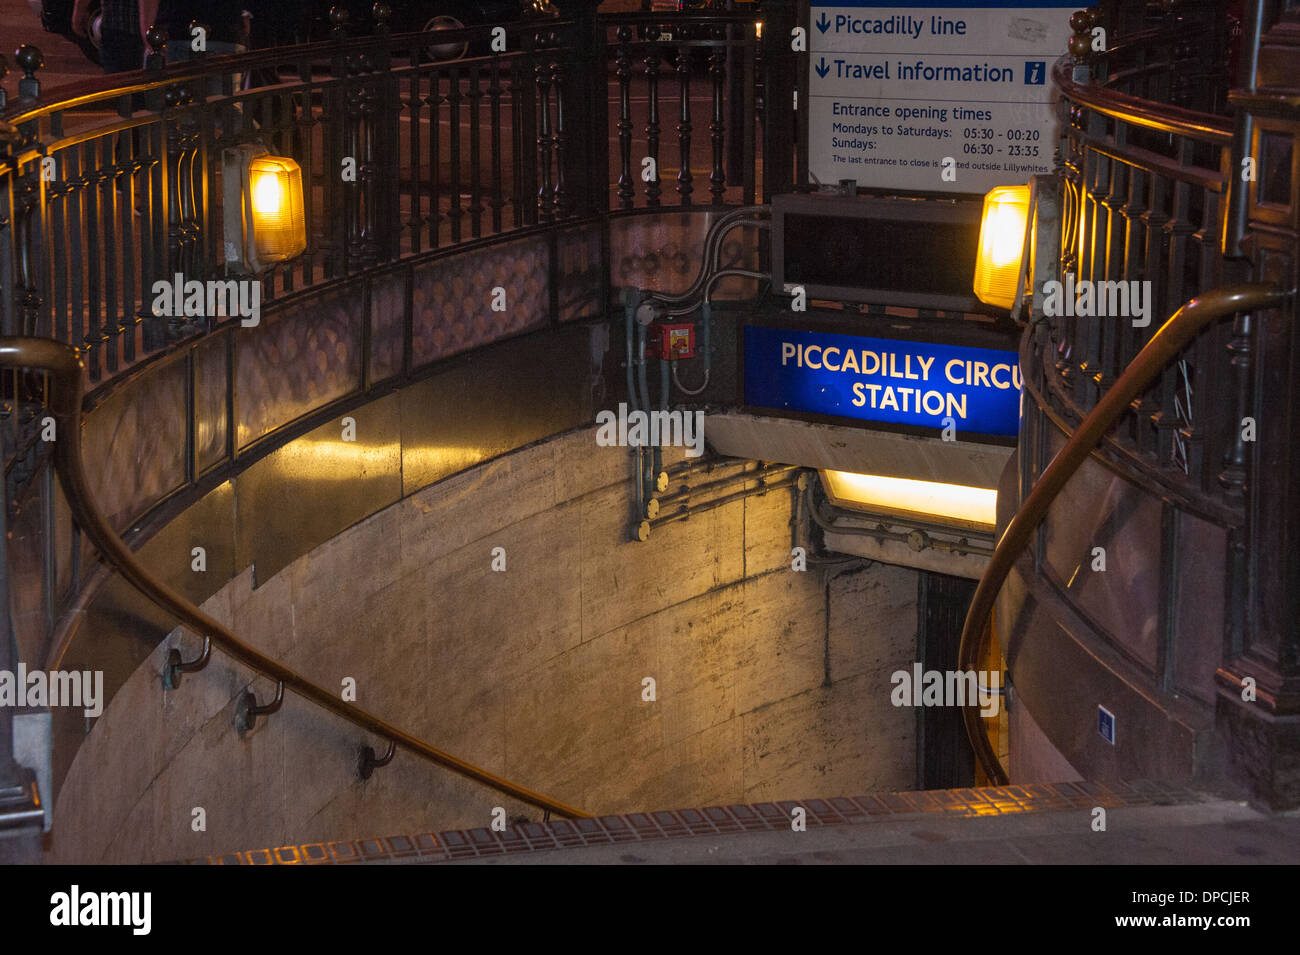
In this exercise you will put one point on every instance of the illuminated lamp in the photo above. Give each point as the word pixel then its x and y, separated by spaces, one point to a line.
pixel 1002 245
pixel 973 506
pixel 263 209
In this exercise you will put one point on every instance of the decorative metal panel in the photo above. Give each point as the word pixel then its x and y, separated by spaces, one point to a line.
pixel 454 298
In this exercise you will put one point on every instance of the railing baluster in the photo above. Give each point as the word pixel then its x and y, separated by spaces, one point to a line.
pixel 626 187
pixel 454 99
pixel 475 188
pixel 155 326
pixel 717 128
pixel 1129 336
pixel 374 171
pixel 435 101
pixel 545 191
pixel 304 113
pixel 560 141
pixel 78 267
pixel 1109 362
pixel 494 103
pixel 132 292
pixel 523 112
pixel 55 241
pixel 1240 382
pixel 654 187
pixel 110 220
pixel 684 178
pixel 96 321
pixel 1177 231
pixel 416 188
pixel 749 158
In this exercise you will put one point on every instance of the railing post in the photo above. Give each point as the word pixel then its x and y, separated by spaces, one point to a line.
pixel 583 113
pixel 685 180
pixel 19 804
pixel 1262 462
pixel 524 102
pixel 26 208
pixel 29 60
pixel 340 195
pixel 626 182
pixel 385 201
pixel 545 141
pixel 8 139
pixel 717 128
pixel 653 188
pixel 179 143
pixel 779 62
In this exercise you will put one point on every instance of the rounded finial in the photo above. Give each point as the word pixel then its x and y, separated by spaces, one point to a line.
pixel 156 39
pixel 29 58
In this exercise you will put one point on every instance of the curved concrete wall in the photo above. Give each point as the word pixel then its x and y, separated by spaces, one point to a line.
pixel 770 683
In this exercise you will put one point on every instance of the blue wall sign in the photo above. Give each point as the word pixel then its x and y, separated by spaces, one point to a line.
pixel 883 379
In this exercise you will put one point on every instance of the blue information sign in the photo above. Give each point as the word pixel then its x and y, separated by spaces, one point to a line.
pixel 883 379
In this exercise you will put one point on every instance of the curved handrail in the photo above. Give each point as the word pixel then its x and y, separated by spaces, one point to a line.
pixel 85 91
pixel 1141 112
pixel 1165 345
pixel 65 370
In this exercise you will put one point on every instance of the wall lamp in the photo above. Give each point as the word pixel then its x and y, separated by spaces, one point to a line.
pixel 1002 244
pixel 263 209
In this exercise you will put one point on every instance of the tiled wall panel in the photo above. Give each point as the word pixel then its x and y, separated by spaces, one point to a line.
pixel 453 298
pixel 297 361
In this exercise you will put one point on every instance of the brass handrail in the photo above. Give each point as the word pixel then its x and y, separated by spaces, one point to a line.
pixel 1165 345
pixel 65 370
pixel 1148 113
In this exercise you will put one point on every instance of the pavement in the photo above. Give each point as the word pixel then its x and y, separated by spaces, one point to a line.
pixel 1218 832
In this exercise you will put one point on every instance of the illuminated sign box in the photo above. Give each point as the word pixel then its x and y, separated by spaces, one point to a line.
pixel 890 381
pixel 907 252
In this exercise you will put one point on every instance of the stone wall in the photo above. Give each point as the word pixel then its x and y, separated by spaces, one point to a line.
pixel 770 684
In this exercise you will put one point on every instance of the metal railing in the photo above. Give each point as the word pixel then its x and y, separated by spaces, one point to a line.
pixel 64 400
pixel 401 153
pixel 1145 193
pixel 110 188
pixel 1154 201
pixel 1164 347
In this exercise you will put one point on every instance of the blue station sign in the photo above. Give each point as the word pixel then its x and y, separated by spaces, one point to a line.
pixel 883 379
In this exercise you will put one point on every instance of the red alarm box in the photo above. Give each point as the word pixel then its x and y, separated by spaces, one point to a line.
pixel 671 341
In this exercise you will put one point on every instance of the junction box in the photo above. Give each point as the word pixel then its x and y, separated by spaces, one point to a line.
pixel 671 341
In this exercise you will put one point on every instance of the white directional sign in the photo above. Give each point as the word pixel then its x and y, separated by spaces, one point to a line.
pixel 939 97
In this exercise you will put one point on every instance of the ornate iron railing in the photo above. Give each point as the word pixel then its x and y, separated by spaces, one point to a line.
pixel 494 160
pixel 1145 190
pixel 1161 198
pixel 401 153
